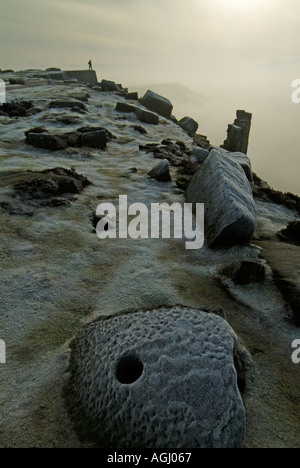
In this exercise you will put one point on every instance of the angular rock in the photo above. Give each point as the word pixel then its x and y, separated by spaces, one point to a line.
pixel 124 107
pixel 157 103
pixel 189 125
pixel 109 135
pixel 132 96
pixel 291 234
pixel 230 213
pixel 95 139
pixel 74 139
pixel 46 141
pixel 202 141
pixel 156 379
pixel 246 272
pixel 146 116
pixel 107 85
pixel 242 159
pixel 199 154
pixel 238 133
pixel 67 104
pixel 161 172
pixel 85 76
pixel 139 129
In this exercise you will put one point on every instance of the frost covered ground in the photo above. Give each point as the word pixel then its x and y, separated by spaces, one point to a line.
pixel 56 275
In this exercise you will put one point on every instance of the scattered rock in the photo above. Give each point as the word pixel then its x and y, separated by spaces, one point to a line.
pixel 36 130
pixel 146 116
pixel 132 96
pixel 157 103
pixel 14 210
pixel 230 213
pixel 38 188
pixel 139 129
pixel 107 85
pixel 238 133
pixel 46 141
pixel 124 107
pixel 83 97
pixel 74 139
pixel 68 119
pixel 199 154
pixel 161 172
pixel 68 104
pixel 139 377
pixel 95 139
pixel 109 135
pixel 45 188
pixel 16 109
pixel 16 81
pixel 245 272
pixel 202 141
pixel 291 233
pixel 189 125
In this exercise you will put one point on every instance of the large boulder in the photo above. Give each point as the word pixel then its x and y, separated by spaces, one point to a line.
pixel 189 125
pixel 230 213
pixel 156 379
pixel 157 103
pixel 242 159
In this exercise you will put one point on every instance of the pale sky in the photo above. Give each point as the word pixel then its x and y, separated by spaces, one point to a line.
pixel 234 53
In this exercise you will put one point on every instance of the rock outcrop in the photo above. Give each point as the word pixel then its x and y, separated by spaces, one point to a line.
pixel 162 378
pixel 230 212
pixel 238 133
pixel 85 76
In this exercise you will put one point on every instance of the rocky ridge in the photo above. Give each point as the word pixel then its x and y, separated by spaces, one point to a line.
pixel 77 145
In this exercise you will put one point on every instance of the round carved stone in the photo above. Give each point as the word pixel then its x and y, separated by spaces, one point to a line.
pixel 163 378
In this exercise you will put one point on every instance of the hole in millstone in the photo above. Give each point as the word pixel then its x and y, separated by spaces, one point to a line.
pixel 129 369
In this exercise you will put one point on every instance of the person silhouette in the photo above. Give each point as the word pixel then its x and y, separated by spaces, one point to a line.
pixel 90 65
